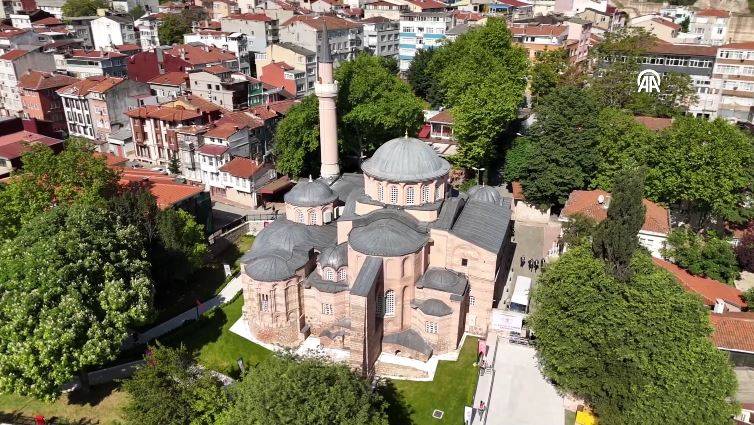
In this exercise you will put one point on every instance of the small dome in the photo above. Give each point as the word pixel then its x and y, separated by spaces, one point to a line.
pixel 282 235
pixel 270 268
pixel 310 193
pixel 405 159
pixel 485 194
pixel 335 256
pixel 386 237
pixel 443 280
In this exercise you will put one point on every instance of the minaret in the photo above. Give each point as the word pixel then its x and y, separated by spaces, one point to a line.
pixel 326 90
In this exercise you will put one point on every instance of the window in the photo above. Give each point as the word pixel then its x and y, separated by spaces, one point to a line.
pixel 329 274
pixel 410 198
pixel 342 273
pixel 430 327
pixel 264 302
pixel 472 300
pixel 425 194
pixel 380 310
pixel 464 262
pixel 300 216
pixel 380 193
pixel 327 309
pixel 394 195
pixel 313 217
pixel 390 303
pixel 438 194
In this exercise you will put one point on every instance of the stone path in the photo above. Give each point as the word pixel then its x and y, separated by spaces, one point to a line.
pixel 529 244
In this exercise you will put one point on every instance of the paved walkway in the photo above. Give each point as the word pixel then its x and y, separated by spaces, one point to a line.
pixel 529 244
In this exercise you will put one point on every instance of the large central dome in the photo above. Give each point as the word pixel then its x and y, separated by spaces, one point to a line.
pixel 405 159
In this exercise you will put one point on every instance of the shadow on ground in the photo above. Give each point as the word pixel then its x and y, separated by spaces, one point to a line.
pixel 399 412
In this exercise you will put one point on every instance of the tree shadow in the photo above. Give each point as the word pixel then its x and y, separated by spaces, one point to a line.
pixel 93 397
pixel 198 333
pixel 19 418
pixel 399 412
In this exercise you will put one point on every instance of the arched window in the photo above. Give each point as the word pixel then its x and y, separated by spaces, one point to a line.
pixel 390 303
pixel 329 273
pixel 300 216
pixel 342 273
pixel 394 195
pixel 410 197
pixel 313 217
pixel 425 194
pixel 404 267
pixel 380 193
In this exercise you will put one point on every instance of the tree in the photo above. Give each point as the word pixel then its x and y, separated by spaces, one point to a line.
pixel 563 153
pixel 136 12
pixel 75 175
pixel 622 144
pixel 704 167
pixel 578 230
pixel 304 391
pixel 297 139
pixel 637 352
pixel 182 245
pixel 481 77
pixel 419 76
pixel 173 27
pixel 615 239
pixel 175 165
pixel 75 283
pixel 517 158
pixel 171 389
pixel 745 250
pixel 700 255
pixel 547 71
pixel 685 24
pixel 73 8
pixel 748 297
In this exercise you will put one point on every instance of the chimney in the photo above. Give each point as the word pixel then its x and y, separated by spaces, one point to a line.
pixel 719 306
pixel 601 199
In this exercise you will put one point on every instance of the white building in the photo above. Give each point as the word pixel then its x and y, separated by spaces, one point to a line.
pixel 235 42
pixel 710 26
pixel 419 30
pixel 260 30
pixel 381 36
pixel 125 6
pixel 733 78
pixel 113 30
pixel 53 7
pixel 148 29
pixel 13 65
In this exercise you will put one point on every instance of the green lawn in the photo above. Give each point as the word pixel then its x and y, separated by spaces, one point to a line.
pixel 412 402
pixel 217 347
pixel 204 284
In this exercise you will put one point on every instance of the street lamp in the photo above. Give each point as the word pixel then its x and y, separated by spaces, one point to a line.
pixel 479 172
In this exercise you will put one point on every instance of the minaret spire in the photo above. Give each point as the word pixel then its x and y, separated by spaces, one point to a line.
pixel 326 89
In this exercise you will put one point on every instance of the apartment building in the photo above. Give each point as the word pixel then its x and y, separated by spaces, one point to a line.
pixel 95 106
pixel 241 178
pixel 15 38
pixel 154 127
pixel 113 30
pixel 81 26
pixel 385 9
pixel 179 58
pixel 280 74
pixel 306 31
pixel 608 20
pixel 148 27
pixel 381 36
pixel 420 30
pixel 540 37
pixel 733 75
pixel 217 148
pixel 261 30
pixel 221 86
pixel 89 63
pixel 710 26
pixel 13 65
pixel 39 97
pixel 223 8
pixel 234 42
pixel 169 86
pixel 299 58
pixel 662 28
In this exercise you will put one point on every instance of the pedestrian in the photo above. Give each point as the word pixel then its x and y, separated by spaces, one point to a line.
pixel 523 260
pixel 481 367
pixel 536 266
pixel 481 409
pixel 531 264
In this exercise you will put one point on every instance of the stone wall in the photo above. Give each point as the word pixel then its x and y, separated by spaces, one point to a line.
pixel 399 371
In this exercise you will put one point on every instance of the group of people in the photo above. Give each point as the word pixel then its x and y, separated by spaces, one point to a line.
pixel 533 264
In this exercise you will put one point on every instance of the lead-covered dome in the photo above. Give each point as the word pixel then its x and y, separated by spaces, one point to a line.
pixel 405 159
pixel 310 193
pixel 485 194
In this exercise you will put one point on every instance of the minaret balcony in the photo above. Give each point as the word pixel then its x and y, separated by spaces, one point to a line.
pixel 326 89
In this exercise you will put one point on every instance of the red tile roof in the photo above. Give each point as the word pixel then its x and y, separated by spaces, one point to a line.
pixel 746 45
pixel 319 23
pixel 428 4
pixel 242 119
pixel 518 191
pixel 733 331
pixel 667 23
pixel 281 106
pixel 259 17
pixel 51 20
pixel 539 30
pixel 656 219
pixel 716 13
pixel 200 55
pixel 654 123
pixel 127 47
pixel 443 117
pixel 709 289
pixel 170 79
pixel 6 33
pixel 223 131
pixel 37 80
pixel 15 144
pixel 164 113
pixel 198 103
pixel 95 54
pixel 214 150
pixel 244 168
pixel 683 49
pixel 165 189
pixel 14 54
pixel 514 3
pixel 216 69
pixel 97 84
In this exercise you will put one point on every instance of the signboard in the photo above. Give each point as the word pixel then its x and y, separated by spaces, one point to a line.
pixel 227 269
pixel 506 321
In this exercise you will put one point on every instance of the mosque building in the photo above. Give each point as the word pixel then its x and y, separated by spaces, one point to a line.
pixel 385 261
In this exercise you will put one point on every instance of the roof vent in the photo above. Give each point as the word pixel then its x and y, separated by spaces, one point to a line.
pixel 719 306
pixel 601 199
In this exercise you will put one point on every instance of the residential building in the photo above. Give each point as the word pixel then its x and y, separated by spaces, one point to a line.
pixel 39 97
pixel 261 122
pixel 662 28
pixel 714 294
pixel 733 332
pixel 733 77
pixel 385 9
pixel 169 86
pixel 261 30
pixel 513 10
pixel 280 74
pixel 17 136
pixel 306 31
pixel 697 62
pixel 223 8
pixel 53 7
pixel 217 149
pixel 221 86
pixel 234 42
pixel 148 27
pixel 81 26
pixel 594 204
pixel 540 37
pixel 88 63
pixel 381 36
pixel 326 6
pixel 420 30
pixel 94 106
pixel 437 131
pixel 125 6
pixel 419 6
pixel 299 58
pixel 710 26
pixel 113 30
pixel 573 7
pixel 241 178
pixel 14 38
pixel 180 57
pixel 677 14
pixel 608 20
pixel 13 65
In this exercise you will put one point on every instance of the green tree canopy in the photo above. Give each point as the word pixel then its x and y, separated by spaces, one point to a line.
pixel 304 392
pixel 73 8
pixel 563 154
pixel 517 159
pixel 297 139
pixel 170 389
pixel 638 352
pixel 700 255
pixel 481 77
pixel 420 77
pixel 182 245
pixel 547 71
pixel 578 230
pixel 173 28
pixel 74 283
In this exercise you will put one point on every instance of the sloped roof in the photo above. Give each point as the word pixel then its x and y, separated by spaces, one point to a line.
pixel 483 224
pixel 170 79
pixel 320 22
pixel 716 13
pixel 214 150
pixel 733 331
pixel 14 54
pixel 15 144
pixel 656 219
pixel 97 84
pixel 443 116
pixel 222 131
pixel 654 123
pixel 95 54
pixel 709 289
pixel 539 30
pixel 37 80
pixel 216 69
pixel 242 119
pixel 683 49
pixel 428 4
pixel 409 339
pixel 164 113
pixel 244 168
pixel 667 23
pixel 259 17
pixel 200 55
pixel 165 189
